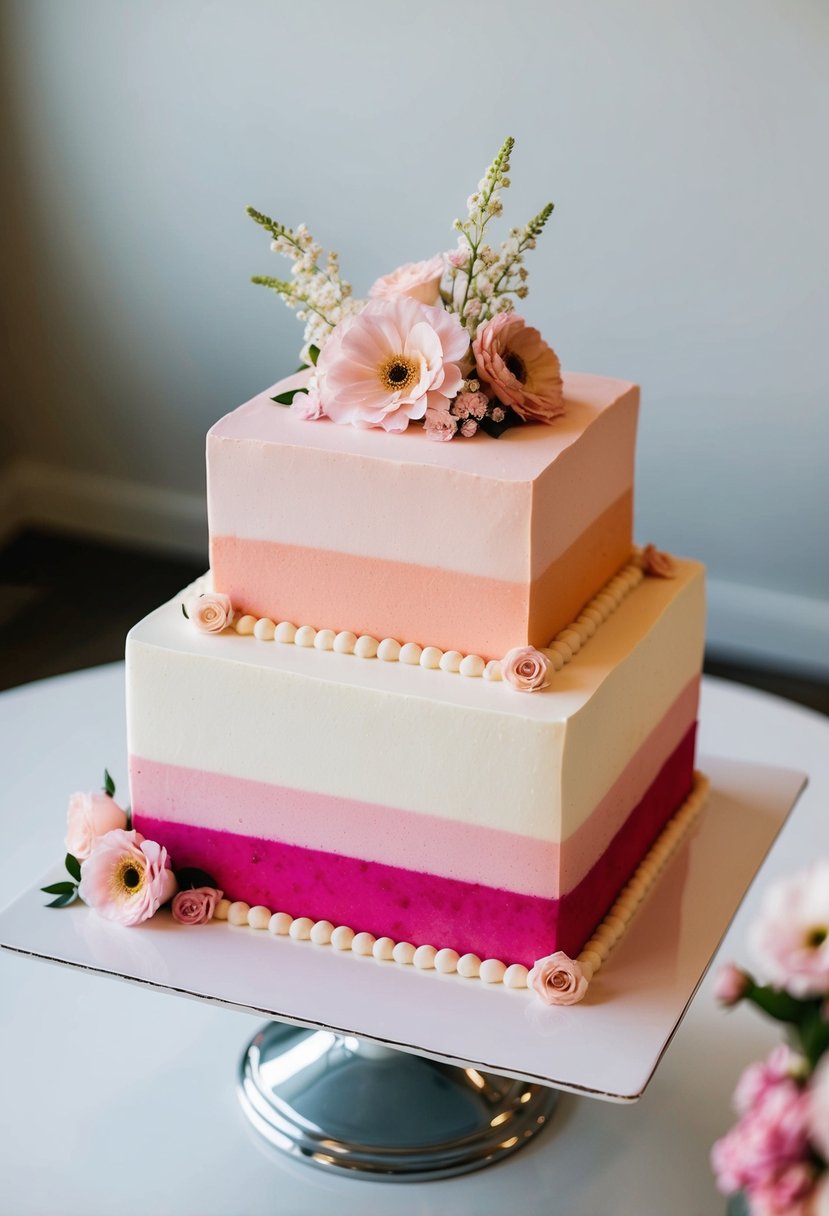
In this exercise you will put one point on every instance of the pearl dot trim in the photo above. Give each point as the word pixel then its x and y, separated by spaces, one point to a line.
pixel 562 649
pixel 489 971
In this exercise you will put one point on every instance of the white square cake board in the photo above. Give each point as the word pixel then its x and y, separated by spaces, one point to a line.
pixel 606 1047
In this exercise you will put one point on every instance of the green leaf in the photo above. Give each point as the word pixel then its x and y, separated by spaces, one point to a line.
pixel 109 784
pixel 73 866
pixel 184 610
pixel 287 398
pixel 59 888
pixel 777 1004
pixel 313 354
pixel 63 901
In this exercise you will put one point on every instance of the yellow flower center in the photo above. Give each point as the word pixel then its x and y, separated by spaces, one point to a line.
pixel 399 373
pixel 516 365
pixel 127 878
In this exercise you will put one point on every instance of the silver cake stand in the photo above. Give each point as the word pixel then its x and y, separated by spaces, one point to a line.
pixel 348 1105
pixel 369 1069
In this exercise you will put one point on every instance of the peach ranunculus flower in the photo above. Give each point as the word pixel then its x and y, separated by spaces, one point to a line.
pixel 558 979
pixel 89 817
pixel 417 280
pixel 126 878
pixel 210 612
pixel 519 368
pixel 657 563
pixel 389 364
pixel 526 669
pixel 195 906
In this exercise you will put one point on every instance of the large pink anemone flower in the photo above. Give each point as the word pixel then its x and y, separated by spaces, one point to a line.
pixel 389 364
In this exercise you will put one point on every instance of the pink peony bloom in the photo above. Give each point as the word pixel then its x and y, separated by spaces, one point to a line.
pixel 126 878
pixel 819 1109
pixel 390 363
pixel 658 564
pixel 417 280
pixel 757 1079
pixel 785 1193
pixel 791 937
pixel 769 1139
pixel 519 368
pixel 558 979
pixel 195 906
pixel 526 669
pixel 730 984
pixel 89 817
pixel 210 612
pixel 440 425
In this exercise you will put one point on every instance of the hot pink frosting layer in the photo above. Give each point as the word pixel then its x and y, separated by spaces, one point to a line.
pixel 408 839
pixel 409 905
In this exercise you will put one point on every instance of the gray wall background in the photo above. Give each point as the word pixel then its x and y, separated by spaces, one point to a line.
pixel 683 142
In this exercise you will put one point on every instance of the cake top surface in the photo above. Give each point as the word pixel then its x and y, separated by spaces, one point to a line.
pixel 521 453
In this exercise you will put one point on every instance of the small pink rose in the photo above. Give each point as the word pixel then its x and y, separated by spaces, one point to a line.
pixel 211 612
pixel 526 669
pixel 307 406
pixel 126 878
pixel 469 428
pixel 730 984
pixel 89 817
pixel 440 425
pixel 658 564
pixel 418 280
pixel 195 906
pixel 558 979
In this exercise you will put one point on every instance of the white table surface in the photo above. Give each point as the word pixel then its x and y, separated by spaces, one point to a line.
pixel 119 1099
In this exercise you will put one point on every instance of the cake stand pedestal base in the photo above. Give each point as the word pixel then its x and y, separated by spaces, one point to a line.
pixel 350 1106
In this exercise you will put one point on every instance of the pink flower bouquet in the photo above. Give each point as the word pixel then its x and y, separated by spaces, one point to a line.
pixel 777 1154
pixel 438 342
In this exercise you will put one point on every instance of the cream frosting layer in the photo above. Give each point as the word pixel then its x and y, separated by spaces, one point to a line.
pixel 424 842
pixel 537 765
pixel 502 509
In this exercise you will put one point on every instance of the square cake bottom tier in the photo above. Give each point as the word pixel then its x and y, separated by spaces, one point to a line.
pixel 417 804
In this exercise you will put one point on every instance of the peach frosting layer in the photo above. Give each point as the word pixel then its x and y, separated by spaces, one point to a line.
pixel 384 598
pixel 424 842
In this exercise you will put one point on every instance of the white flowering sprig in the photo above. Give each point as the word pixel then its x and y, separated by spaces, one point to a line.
pixel 318 294
pixel 482 280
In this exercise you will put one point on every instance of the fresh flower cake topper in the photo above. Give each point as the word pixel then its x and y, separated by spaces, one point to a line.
pixel 438 342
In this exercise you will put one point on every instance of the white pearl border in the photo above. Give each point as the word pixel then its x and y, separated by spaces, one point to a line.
pixel 447 961
pixel 562 648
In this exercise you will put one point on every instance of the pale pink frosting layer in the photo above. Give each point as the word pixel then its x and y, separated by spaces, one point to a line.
pixel 428 605
pixel 408 905
pixel 409 839
pixel 522 500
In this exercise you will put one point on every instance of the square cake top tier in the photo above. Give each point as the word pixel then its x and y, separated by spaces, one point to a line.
pixel 477 545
